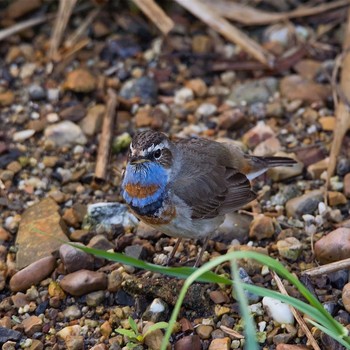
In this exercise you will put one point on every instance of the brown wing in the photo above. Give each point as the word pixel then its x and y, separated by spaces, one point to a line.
pixel 207 185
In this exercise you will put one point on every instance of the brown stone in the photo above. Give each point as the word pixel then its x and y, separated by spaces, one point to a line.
pixel 152 339
pixel 83 282
pixel 6 98
pixel 295 87
pixel 73 113
pixel 41 231
pixel 75 215
pixel 311 155
pixel 32 274
pixel 346 297
pixel 268 147
pixel 305 204
pixel 231 119
pixel 74 342
pixel 261 227
pixel 80 80
pixel 190 342
pixel 291 347
pixel 327 123
pixel 36 345
pixel 334 246
pixel 308 68
pixel 336 198
pixel 257 134
pixel 18 8
pixel 220 344
pixel 92 123
pixel 106 329
pixel 4 235
pixel 32 324
pixel 219 297
pixel 201 43
pixel 317 169
pixel 204 331
pixel 347 185
pixel 198 86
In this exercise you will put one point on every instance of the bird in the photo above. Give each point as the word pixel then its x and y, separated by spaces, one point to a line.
pixel 184 188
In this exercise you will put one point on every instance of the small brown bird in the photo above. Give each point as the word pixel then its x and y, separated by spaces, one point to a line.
pixel 185 188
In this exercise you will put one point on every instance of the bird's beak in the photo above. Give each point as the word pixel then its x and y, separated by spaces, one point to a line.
pixel 136 160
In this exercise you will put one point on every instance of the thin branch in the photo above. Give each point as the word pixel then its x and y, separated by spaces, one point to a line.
pixel 156 15
pixel 328 268
pixel 106 136
pixel 208 14
pixel 296 313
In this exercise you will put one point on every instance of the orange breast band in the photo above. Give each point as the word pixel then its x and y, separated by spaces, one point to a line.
pixel 139 191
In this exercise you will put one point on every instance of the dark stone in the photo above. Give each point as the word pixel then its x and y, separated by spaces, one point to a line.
pixel 7 158
pixel 36 92
pixel 41 308
pixel 136 251
pixel 123 298
pixel 339 278
pixel 7 334
pixel 343 166
pixel 121 47
pixel 144 88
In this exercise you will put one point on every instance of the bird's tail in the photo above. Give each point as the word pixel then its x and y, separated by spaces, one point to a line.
pixel 272 162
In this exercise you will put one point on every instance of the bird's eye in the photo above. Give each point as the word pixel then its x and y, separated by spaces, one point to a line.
pixel 157 154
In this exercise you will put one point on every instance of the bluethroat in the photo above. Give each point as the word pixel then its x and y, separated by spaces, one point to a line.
pixel 185 188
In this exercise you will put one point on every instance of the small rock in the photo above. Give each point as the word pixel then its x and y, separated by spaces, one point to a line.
pixel 231 119
pixel 334 246
pixel 201 43
pixel 74 113
pixel 289 248
pixel 41 231
pixel 183 95
pixel 50 161
pixel 18 8
pixel 55 290
pixel 190 342
pixel 220 344
pixel 261 227
pixel 74 216
pixel 7 334
pixel 257 134
pixel 19 300
pixel 157 311
pixel 80 80
pixel 32 274
pixel 221 310
pixel 347 185
pixel 268 147
pixel 72 312
pixel 92 123
pixel 294 87
pixel 206 110
pixel 83 282
pixel 254 91
pixel 65 133
pixel 291 347
pixel 106 329
pixel 152 339
pixel 23 135
pixel 121 143
pixel 198 86
pixel 75 342
pixel 308 68
pixel 251 297
pixel 100 242
pixel 145 88
pixel 204 331
pixel 346 297
pixel 115 280
pixel 280 312
pixel 36 92
pixel 136 251
pixel 65 332
pixel 285 172
pixel 318 168
pixel 305 204
pixel 327 123
pixel 75 259
pixel 6 98
pixel 31 325
pixel 336 198
pixel 95 298
pixel 149 116
pixel 219 297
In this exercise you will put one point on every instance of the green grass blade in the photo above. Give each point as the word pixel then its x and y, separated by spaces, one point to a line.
pixel 133 325
pixel 158 325
pixel 249 329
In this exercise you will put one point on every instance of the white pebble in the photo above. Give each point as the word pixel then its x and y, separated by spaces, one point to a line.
pixel 52 117
pixel 157 306
pixel 322 207
pixel 183 95
pixel 262 326
pixel 23 135
pixel 206 110
pixel 280 312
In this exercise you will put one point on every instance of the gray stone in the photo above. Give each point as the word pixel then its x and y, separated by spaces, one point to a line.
pixel 305 204
pixel 136 251
pixel 75 259
pixel 65 133
pixel 95 298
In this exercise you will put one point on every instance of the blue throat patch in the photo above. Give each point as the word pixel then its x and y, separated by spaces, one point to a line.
pixel 145 174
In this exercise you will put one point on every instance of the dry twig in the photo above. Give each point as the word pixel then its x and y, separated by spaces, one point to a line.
pixel 328 268
pixel 342 114
pixel 251 16
pixel 296 313
pixel 156 15
pixel 208 14
pixel 106 135
pixel 64 12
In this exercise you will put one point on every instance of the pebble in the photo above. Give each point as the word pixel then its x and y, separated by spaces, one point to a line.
pixel 336 198
pixel 23 135
pixel 285 172
pixel 65 332
pixel 257 134
pixel 80 80
pixel 220 344
pixel 190 342
pixel 318 168
pixel 157 311
pixel 347 185
pixel 305 204
pixel 346 297
pixel 65 133
pixel 261 227
pixel 6 98
pixel 183 95
pixel 95 298
pixel 75 259
pixel 7 334
pixel 206 110
pixel 106 329
pixel 75 342
pixel 32 274
pixel 280 312
pixel 259 90
pixel 145 88
pixel 289 248
pixel 198 86
pixel 291 347
pixel 36 92
pixel 295 87
pixel 152 339
pixel 136 251
pixel 204 331
pixel 41 231
pixel 268 147
pixel 91 124
pixel 251 297
pixel 100 242
pixel 327 123
pixel 32 324
pixel 72 312
pixel 83 281
pixel 232 119
pixel 334 246
pixel 219 297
